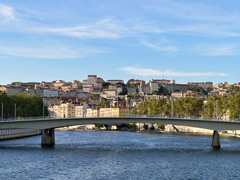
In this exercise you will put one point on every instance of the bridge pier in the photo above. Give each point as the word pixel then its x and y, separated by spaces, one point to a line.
pixel 215 140
pixel 48 137
pixel 108 127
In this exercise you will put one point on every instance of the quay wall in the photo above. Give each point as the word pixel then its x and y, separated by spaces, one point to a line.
pixel 6 134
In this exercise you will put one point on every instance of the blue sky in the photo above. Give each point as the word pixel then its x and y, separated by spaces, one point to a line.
pixel 189 41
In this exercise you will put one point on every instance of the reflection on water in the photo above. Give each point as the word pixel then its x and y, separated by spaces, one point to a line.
pixel 120 155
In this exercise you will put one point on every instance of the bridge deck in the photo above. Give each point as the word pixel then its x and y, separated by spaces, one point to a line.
pixel 56 123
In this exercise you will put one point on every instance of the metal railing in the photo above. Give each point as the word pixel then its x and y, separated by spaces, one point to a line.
pixel 123 116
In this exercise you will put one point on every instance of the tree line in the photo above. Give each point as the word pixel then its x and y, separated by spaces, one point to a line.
pixel 26 105
pixel 211 107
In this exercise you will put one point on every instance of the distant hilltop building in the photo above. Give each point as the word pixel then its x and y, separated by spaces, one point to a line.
pixel 164 81
pixel 113 81
pixel 205 85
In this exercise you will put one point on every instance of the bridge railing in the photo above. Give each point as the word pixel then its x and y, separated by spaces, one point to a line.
pixel 123 116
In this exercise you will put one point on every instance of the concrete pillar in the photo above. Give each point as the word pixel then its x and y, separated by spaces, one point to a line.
pixel 48 137
pixel 108 127
pixel 215 140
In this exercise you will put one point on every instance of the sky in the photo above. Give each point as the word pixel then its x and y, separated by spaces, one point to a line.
pixel 188 41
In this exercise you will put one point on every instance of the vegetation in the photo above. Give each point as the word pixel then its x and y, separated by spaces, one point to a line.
pixel 95 96
pixel 26 105
pixel 233 88
pixel 163 91
pixel 211 107
pixel 103 104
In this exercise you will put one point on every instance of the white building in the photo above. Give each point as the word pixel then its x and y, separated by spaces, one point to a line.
pixel 92 79
pixel 81 111
pixel 153 86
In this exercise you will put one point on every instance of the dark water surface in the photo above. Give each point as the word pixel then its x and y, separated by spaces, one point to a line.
pixel 120 155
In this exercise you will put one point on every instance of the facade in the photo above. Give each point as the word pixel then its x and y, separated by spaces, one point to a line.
pixel 11 90
pixel 110 92
pixel 205 85
pixel 112 81
pixel 81 110
pixel 88 87
pixel 115 112
pixel 76 84
pixel 42 92
pixel 153 86
pixel 92 112
pixel 64 110
pixel 164 81
pixel 132 90
pixel 92 79
pixel 178 87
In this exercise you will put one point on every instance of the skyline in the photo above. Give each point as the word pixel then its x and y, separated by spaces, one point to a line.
pixel 188 42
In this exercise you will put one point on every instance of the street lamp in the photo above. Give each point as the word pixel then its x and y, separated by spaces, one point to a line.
pixel 15 112
pixel 2 110
pixel 43 109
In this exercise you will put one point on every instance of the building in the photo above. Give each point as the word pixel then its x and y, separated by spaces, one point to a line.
pixel 153 86
pixel 164 81
pixel 205 85
pixel 99 84
pixel 110 92
pixel 92 112
pixel 92 79
pixel 88 87
pixel 10 90
pixel 135 81
pixel 81 110
pixel 43 92
pixel 76 84
pixel 178 87
pixel 58 83
pixel 115 112
pixel 132 90
pixel 112 81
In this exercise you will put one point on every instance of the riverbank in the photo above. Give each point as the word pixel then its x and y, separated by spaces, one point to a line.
pixel 188 130
pixel 7 134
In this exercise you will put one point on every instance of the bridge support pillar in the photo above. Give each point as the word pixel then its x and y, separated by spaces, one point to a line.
pixel 48 137
pixel 108 127
pixel 215 140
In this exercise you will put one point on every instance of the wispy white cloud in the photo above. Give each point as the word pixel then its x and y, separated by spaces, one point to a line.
pixel 104 28
pixel 217 50
pixel 194 11
pixel 160 46
pixel 153 72
pixel 3 57
pixel 48 52
pixel 6 12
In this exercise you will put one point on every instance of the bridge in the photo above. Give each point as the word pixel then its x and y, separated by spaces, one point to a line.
pixel 47 125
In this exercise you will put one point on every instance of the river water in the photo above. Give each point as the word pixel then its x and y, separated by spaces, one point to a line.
pixel 120 155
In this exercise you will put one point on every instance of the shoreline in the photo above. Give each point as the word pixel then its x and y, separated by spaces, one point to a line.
pixel 77 128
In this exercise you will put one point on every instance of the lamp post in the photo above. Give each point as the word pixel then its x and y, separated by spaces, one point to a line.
pixel 2 110
pixel 43 109
pixel 171 107
pixel 15 112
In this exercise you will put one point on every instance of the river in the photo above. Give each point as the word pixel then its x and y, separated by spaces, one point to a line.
pixel 120 155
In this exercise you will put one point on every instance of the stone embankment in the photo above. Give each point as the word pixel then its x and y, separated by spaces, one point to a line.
pixel 6 134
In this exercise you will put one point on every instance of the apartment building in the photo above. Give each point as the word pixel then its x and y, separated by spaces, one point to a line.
pixel 115 112
pixel 93 112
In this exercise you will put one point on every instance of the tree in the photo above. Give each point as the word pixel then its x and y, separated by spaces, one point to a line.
pixel 163 91
pixel 27 105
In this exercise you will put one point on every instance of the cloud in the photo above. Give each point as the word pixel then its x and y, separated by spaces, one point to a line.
pixel 6 12
pixel 218 50
pixel 160 47
pixel 48 52
pixel 104 28
pixel 194 11
pixel 152 72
